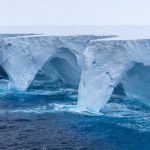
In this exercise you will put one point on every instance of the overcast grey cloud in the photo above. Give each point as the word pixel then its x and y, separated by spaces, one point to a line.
pixel 74 12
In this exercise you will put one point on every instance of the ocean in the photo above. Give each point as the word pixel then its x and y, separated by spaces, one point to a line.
pixel 45 117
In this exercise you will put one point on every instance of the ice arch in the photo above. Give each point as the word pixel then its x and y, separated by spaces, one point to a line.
pixel 63 67
pixel 106 63
pixel 136 83
pixel 67 66
pixel 24 56
pixel 3 73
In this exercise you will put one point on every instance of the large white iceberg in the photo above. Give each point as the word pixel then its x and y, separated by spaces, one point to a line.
pixel 24 56
pixel 94 64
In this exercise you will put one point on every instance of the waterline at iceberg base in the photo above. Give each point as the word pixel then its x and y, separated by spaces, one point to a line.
pixel 74 92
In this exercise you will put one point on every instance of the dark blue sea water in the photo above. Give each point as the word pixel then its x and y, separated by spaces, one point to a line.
pixel 46 118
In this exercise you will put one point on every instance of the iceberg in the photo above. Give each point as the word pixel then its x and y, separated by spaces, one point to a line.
pixel 93 64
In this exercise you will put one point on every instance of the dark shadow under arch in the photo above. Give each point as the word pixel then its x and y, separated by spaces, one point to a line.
pixel 62 69
pixel 119 90
pixel 3 74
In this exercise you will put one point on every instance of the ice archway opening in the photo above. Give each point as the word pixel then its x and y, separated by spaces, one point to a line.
pixel 4 79
pixel 63 68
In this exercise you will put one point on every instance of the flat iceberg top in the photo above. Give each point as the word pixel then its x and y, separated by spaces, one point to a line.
pixel 73 37
pixel 121 38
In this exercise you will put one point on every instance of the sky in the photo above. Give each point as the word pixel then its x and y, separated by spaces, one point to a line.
pixel 74 12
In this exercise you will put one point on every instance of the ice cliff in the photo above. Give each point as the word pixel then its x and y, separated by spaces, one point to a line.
pixel 94 63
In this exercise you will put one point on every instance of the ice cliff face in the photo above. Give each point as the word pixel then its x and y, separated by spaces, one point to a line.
pixel 99 65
